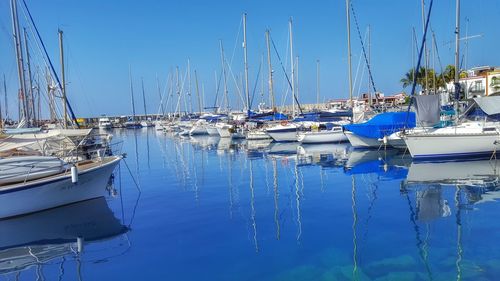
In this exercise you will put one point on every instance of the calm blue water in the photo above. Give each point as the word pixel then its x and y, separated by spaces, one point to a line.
pixel 211 209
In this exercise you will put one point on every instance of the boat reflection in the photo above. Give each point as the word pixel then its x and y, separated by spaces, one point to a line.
pixel 34 240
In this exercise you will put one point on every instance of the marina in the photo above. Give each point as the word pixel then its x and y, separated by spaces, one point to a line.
pixel 328 212
pixel 238 162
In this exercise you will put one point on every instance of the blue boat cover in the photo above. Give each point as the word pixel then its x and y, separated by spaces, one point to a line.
pixel 383 124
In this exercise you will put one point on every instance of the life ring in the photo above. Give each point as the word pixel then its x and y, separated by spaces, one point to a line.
pixel 284 123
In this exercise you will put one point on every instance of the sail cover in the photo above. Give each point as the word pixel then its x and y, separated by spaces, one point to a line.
pixel 428 110
pixel 490 105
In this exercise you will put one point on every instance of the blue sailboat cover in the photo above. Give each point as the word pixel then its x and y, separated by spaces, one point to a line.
pixel 383 124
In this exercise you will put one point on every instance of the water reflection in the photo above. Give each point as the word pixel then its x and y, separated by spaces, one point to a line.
pixel 398 210
pixel 56 235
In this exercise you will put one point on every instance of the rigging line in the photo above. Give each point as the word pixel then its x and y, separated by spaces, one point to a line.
pixel 50 62
pixel 286 75
pixel 236 41
pixel 441 77
pixel 218 88
pixel 363 47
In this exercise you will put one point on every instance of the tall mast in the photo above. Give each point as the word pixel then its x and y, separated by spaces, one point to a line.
pixel 369 63
pixel 131 92
pixel 317 83
pixel 63 77
pixel 457 58
pixel 223 64
pixel 160 95
pixel 297 79
pixel 348 16
pixel 6 105
pixel 270 69
pixel 246 59
pixel 144 98
pixel 29 93
pixel 292 65
pixel 425 50
pixel 189 86
pixel 198 91
pixel 20 64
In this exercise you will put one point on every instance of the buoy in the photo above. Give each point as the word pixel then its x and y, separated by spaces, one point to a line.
pixel 385 140
pixel 74 174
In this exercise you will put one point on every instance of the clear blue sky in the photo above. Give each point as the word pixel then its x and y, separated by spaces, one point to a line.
pixel 103 38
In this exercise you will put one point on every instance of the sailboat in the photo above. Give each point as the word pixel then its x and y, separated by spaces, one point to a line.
pixel 52 168
pixel 470 136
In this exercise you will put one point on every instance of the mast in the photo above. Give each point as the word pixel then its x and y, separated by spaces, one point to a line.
pixel 198 91
pixel 348 16
pixel 160 95
pixel 270 73
pixel 189 86
pixel 20 64
pixel 6 105
pixel 317 84
pixel 29 93
pixel 369 63
pixel 224 75
pixel 131 92
pixel 246 59
pixel 457 58
pixel 292 65
pixel 297 80
pixel 144 98
pixel 63 77
pixel 426 59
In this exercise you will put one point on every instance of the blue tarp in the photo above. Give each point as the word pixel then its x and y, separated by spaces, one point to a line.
pixel 323 116
pixel 270 116
pixel 383 124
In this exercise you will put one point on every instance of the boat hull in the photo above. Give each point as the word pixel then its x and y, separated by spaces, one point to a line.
pixel 451 146
pixel 55 191
pixel 283 134
pixel 212 131
pixel 358 141
pixel 322 137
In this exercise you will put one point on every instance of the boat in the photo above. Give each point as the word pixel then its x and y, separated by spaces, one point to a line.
pixel 131 124
pixel 26 168
pixel 212 130
pixel 368 134
pixel 257 134
pixel 476 135
pixel 283 132
pixel 334 134
pixel 87 180
pixel 104 123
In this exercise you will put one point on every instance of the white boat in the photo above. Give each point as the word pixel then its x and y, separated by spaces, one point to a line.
pixel 469 139
pixel 146 124
pixel 27 168
pixel 334 135
pixel 212 130
pixel 198 128
pixel 257 134
pixel 59 189
pixel 105 123
pixel 225 130
pixel 283 132
pixel 360 141
pixel 132 125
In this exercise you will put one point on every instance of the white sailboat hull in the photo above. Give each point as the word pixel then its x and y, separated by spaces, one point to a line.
pixel 358 141
pixel 212 130
pixel 55 191
pixel 283 133
pixel 322 137
pixel 446 146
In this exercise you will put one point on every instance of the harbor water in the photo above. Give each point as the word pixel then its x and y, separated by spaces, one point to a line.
pixel 205 208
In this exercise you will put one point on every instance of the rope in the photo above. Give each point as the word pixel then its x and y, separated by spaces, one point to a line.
pixel 284 71
pixel 363 47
